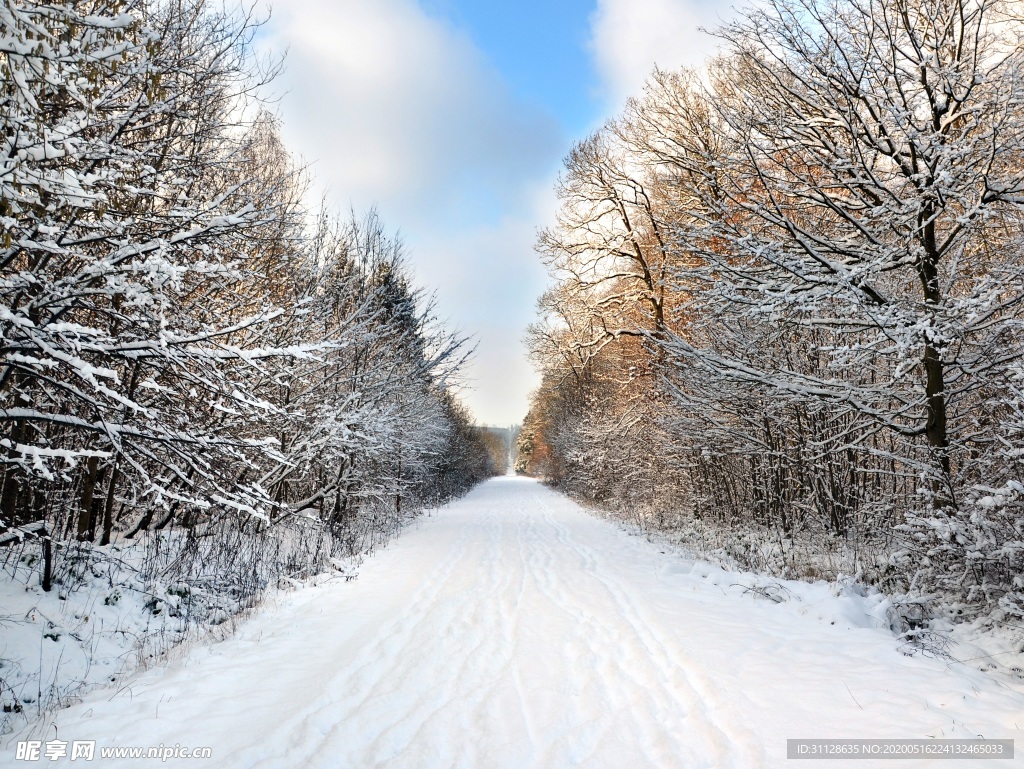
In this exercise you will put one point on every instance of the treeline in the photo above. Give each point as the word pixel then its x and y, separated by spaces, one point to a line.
pixel 183 348
pixel 786 312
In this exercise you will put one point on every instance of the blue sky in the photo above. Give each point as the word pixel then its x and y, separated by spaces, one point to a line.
pixel 451 118
pixel 540 48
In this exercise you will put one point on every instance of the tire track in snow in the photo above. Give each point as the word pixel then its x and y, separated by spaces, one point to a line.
pixel 442 638
pixel 674 713
pixel 355 692
pixel 464 634
pixel 737 745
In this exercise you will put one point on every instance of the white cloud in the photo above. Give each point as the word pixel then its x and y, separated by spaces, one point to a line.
pixel 400 110
pixel 491 274
pixel 629 37
pixel 506 398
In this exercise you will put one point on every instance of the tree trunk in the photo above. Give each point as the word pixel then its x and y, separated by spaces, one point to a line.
pixel 108 507
pixel 934 367
pixel 85 512
pixel 13 480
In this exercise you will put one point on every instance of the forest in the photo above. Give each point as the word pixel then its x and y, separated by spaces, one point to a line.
pixel 777 443
pixel 205 378
pixel 785 320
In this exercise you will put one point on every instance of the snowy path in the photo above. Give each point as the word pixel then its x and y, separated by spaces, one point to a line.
pixel 512 629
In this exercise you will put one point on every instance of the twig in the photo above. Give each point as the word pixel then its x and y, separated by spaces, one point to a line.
pixel 852 697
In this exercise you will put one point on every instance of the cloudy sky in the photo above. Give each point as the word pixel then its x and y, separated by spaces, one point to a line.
pixel 451 117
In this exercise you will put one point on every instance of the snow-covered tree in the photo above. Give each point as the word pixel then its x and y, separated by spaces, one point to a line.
pixel 121 128
pixel 180 345
pixel 840 206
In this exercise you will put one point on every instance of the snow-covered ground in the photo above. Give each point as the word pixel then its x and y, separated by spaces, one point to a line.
pixel 513 629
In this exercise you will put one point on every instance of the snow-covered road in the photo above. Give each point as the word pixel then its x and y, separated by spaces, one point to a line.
pixel 512 629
